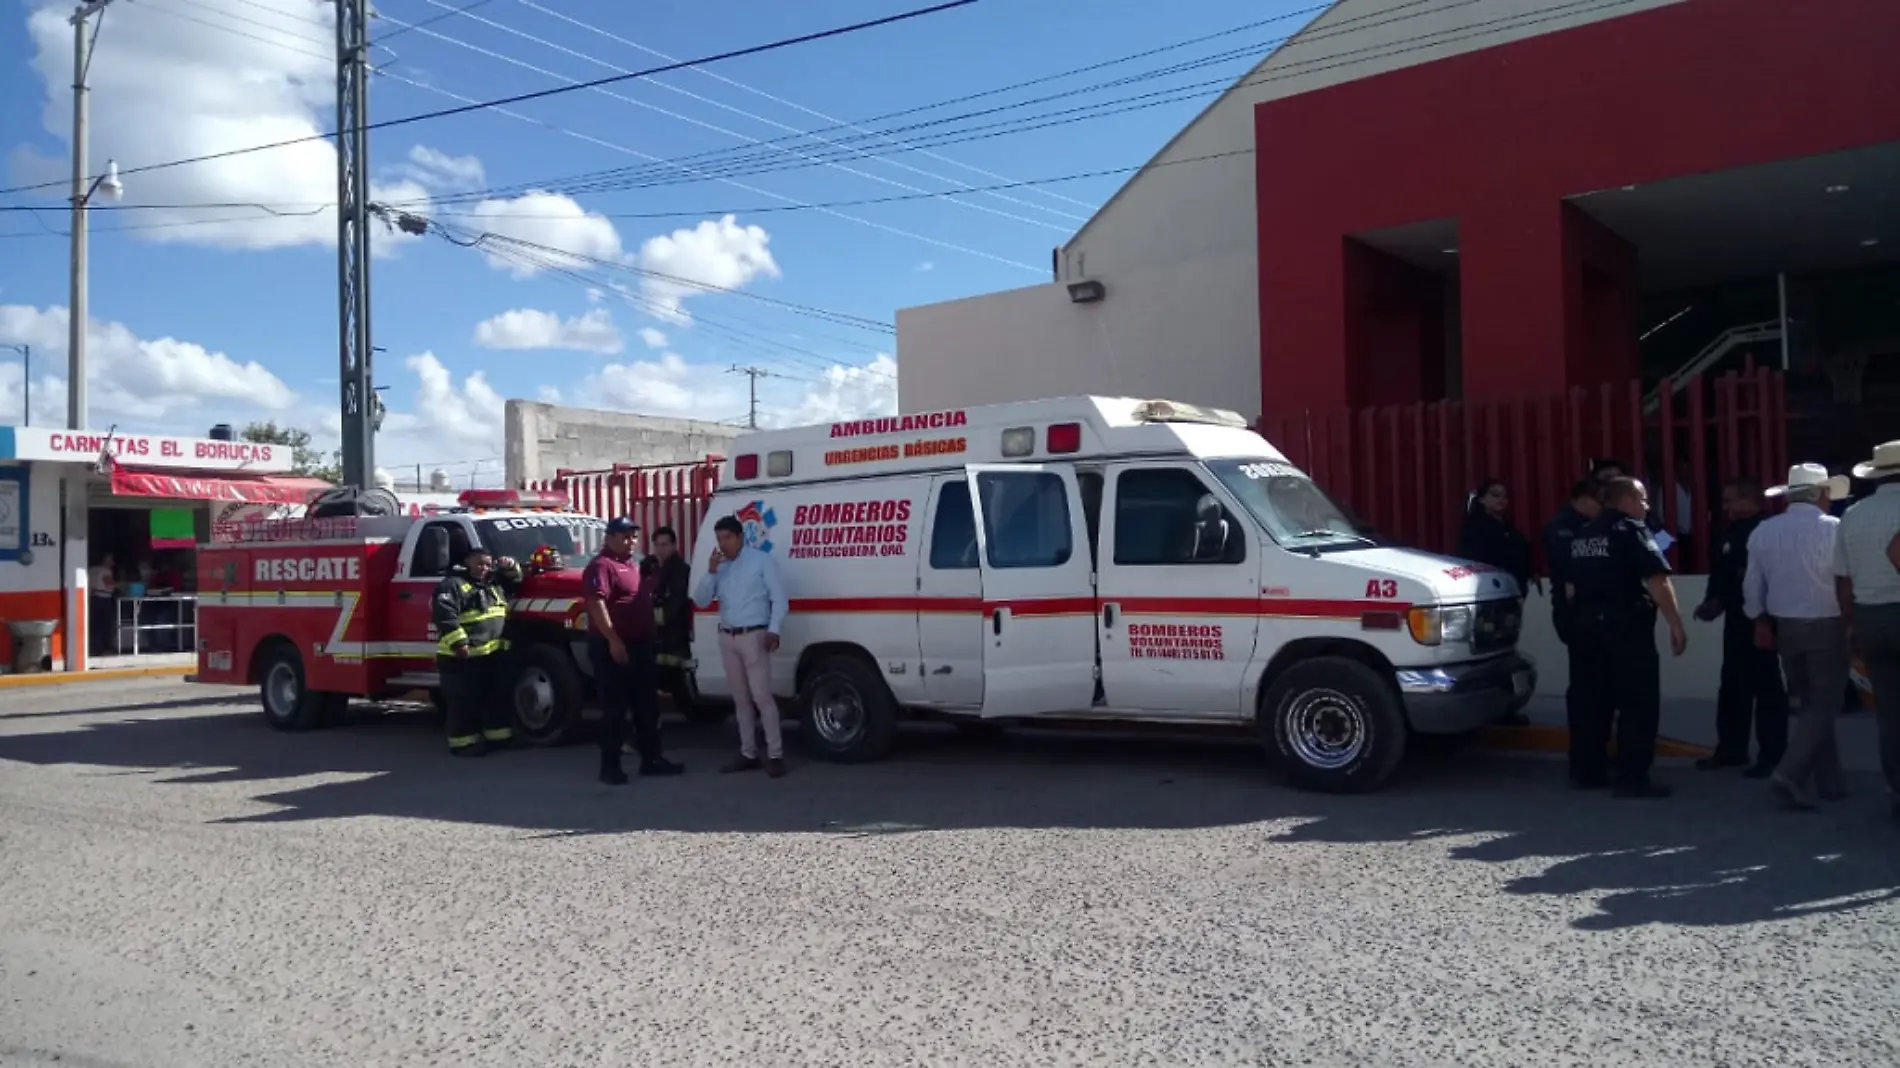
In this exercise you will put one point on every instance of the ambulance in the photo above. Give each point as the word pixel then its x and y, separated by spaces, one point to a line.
pixel 316 612
pixel 1105 560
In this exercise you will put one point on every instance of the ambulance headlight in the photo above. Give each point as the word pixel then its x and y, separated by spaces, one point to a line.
pixel 1436 626
pixel 1019 441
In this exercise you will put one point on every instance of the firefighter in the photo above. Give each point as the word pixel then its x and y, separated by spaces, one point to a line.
pixel 470 612
pixel 670 575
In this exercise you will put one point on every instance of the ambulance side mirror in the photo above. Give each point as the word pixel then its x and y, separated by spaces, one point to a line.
pixel 432 552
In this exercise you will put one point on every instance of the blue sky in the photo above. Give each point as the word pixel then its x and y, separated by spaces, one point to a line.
pixel 183 77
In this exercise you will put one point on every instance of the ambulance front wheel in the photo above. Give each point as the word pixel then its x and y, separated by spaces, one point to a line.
pixel 289 703
pixel 849 714
pixel 1336 723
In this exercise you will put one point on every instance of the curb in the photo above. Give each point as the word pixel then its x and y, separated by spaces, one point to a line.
pixel 1542 738
pixel 69 678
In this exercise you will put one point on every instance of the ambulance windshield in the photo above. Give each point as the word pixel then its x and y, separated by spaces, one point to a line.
pixel 1292 508
pixel 576 537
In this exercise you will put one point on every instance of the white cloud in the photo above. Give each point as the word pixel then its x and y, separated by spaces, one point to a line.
pixel 553 221
pixel 463 417
pixel 529 328
pixel 132 377
pixel 925 267
pixel 439 170
pixel 720 254
pixel 165 88
pixel 845 392
pixel 652 338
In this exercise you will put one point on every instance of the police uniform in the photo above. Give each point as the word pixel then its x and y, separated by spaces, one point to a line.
pixel 1752 690
pixel 1614 664
pixel 476 688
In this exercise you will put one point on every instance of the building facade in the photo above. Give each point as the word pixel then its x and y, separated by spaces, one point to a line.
pixel 543 440
pixel 1411 201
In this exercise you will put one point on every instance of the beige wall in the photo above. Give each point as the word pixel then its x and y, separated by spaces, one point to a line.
pixel 544 438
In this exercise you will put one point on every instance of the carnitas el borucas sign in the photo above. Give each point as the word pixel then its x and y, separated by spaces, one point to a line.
pixel 143 450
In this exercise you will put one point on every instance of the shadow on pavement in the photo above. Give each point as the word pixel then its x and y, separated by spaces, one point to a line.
pixel 1717 854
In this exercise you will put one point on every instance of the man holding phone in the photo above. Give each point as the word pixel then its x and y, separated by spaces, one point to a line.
pixel 752 608
pixel 620 646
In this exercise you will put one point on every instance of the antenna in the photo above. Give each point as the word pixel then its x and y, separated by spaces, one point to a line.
pixel 752 391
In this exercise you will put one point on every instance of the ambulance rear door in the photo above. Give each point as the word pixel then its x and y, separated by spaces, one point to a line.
pixel 1038 593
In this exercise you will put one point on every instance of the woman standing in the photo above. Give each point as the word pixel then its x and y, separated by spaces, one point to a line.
pixel 1489 536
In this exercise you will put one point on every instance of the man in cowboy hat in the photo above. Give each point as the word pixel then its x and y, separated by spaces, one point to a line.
pixel 1867 582
pixel 1788 591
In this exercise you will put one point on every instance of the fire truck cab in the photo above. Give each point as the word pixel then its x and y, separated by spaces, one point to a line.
pixel 321 610
pixel 1111 560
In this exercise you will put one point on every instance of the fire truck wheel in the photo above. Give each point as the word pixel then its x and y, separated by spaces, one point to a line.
pixel 849 714
pixel 548 695
pixel 1336 723
pixel 289 705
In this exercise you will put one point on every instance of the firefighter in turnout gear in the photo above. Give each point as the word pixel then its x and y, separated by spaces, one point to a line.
pixel 470 612
pixel 672 607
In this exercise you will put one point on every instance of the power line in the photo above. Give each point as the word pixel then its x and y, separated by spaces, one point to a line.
pixel 519 98
pixel 753 374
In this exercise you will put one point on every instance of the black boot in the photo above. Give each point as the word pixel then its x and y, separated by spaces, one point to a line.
pixel 610 771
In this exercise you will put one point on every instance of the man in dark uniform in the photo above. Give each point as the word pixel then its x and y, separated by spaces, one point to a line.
pixel 1618 579
pixel 470 611
pixel 670 578
pixel 1751 690
pixel 1558 534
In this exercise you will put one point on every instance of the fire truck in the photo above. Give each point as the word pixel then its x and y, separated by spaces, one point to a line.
pixel 318 611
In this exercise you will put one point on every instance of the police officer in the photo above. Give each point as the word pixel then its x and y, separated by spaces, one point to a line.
pixel 1617 581
pixel 1752 691
pixel 470 612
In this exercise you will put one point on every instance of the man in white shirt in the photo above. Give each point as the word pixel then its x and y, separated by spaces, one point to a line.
pixel 1867 582
pixel 1789 591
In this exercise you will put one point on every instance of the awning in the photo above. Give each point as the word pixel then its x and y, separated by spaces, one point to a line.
pixel 223 486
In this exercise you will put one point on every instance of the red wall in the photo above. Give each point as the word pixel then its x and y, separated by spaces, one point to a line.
pixel 1496 139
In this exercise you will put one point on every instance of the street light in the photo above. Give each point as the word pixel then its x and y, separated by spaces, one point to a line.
pixel 26 381
pixel 107 183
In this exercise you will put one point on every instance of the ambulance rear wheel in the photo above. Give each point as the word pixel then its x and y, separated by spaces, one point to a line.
pixel 289 703
pixel 1335 723
pixel 548 694
pixel 849 714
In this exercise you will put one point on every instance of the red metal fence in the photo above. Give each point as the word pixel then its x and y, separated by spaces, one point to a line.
pixel 1407 469
pixel 668 495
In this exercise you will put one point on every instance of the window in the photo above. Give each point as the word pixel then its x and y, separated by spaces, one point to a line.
pixel 953 531
pixel 1026 519
pixel 1165 515
pixel 1295 512
pixel 576 538
pixel 422 566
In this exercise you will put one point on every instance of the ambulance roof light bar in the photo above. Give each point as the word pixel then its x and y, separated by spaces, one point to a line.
pixel 503 500
pixel 1163 411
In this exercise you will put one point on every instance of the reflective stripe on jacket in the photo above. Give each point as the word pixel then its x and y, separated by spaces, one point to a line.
pixel 471 613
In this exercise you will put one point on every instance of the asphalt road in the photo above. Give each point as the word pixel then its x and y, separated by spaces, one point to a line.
pixel 180 886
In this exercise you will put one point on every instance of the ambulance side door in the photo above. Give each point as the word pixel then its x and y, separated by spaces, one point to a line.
pixel 1038 593
pixel 950 623
pixel 411 594
pixel 1178 593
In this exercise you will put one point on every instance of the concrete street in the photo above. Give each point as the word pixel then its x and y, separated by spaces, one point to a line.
pixel 181 886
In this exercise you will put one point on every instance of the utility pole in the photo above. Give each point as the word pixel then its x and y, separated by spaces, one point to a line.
pixel 354 352
pixel 26 381
pixel 752 391
pixel 76 310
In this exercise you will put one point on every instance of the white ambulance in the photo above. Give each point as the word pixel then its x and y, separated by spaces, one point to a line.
pixel 1104 559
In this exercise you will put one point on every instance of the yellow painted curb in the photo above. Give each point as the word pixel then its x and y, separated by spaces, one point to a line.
pixel 63 678
pixel 1542 738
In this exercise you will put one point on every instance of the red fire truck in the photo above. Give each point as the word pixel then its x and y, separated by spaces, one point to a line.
pixel 318 611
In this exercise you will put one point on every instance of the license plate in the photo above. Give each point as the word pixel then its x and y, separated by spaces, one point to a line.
pixel 1520 683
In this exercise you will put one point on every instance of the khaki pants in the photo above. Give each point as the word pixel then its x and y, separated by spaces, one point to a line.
pixel 1814 658
pixel 749 672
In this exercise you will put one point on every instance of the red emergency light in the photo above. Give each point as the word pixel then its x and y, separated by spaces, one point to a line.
pixel 512 499
pixel 1064 438
pixel 746 466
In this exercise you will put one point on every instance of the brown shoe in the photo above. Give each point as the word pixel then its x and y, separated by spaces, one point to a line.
pixel 775 768
pixel 744 763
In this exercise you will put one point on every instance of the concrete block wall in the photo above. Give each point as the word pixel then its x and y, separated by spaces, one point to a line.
pixel 544 438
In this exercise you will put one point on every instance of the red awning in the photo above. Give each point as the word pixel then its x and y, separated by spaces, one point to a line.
pixel 236 487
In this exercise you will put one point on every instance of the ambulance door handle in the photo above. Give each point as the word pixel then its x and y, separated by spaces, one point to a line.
pixel 1108 616
pixel 996 621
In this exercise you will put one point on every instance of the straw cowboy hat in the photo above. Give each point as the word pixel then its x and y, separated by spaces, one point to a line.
pixel 1801 476
pixel 1886 462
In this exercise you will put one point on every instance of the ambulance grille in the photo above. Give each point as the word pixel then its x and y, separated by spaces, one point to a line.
pixel 1497 625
